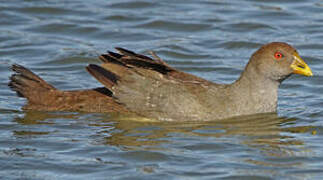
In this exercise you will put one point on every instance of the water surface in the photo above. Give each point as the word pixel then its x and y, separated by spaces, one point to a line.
pixel 209 38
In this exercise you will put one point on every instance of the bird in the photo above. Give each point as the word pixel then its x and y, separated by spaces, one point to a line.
pixel 147 87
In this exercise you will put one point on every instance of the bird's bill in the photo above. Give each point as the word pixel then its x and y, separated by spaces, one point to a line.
pixel 300 67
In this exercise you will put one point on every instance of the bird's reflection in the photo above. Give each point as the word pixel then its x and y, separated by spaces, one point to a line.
pixel 270 134
pixel 273 136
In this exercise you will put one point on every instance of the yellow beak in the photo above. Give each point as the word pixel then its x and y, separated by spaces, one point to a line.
pixel 300 67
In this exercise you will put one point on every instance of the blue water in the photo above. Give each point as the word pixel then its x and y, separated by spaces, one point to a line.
pixel 209 38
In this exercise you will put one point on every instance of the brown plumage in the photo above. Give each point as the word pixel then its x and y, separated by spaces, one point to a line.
pixel 142 86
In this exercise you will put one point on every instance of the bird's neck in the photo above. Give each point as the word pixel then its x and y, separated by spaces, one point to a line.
pixel 261 92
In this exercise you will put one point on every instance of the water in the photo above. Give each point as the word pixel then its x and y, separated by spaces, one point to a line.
pixel 209 38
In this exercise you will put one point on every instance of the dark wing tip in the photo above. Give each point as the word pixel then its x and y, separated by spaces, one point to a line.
pixel 125 51
pixel 102 75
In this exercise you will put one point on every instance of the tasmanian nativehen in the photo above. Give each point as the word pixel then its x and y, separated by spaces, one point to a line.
pixel 147 87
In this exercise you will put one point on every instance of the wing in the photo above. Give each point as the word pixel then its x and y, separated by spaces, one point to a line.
pixel 148 86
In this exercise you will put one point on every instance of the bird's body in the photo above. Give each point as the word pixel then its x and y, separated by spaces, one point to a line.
pixel 138 85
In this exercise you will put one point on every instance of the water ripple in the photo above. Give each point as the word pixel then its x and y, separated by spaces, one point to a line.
pixel 208 38
pixel 174 26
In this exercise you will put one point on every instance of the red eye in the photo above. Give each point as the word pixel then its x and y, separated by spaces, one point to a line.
pixel 278 55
